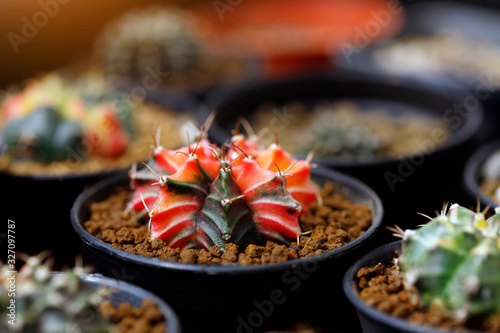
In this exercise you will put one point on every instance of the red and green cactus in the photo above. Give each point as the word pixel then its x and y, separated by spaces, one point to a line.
pixel 53 117
pixel 202 195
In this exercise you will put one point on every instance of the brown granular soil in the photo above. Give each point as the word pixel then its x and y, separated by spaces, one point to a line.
pixel 489 187
pixel 146 120
pixel 383 288
pixel 128 319
pixel 335 223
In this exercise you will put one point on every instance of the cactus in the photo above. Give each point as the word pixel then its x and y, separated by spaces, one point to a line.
pixel 157 42
pixel 46 302
pixel 206 196
pixel 453 261
pixel 330 135
pixel 43 135
pixel 52 118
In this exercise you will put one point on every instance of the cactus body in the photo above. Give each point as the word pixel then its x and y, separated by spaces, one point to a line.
pixel 52 119
pixel 225 216
pixel 207 196
pixel 454 262
pixel 181 196
pixel 45 302
pixel 299 185
pixel 42 135
pixel 274 211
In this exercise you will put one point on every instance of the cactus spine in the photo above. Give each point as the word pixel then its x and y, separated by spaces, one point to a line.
pixel 47 302
pixel 454 262
pixel 203 199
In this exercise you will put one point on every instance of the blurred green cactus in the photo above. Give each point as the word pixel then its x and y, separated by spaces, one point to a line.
pixel 35 300
pixel 328 138
pixel 42 135
pixel 453 261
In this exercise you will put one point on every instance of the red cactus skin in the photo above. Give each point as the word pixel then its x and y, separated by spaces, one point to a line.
pixel 276 159
pixel 12 107
pixel 250 145
pixel 274 211
pixel 181 197
pixel 107 137
pixel 171 160
pixel 202 201
pixel 205 152
pixel 166 162
pixel 145 193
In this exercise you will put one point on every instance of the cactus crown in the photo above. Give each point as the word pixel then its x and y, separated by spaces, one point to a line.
pixel 203 195
pixel 453 261
pixel 46 302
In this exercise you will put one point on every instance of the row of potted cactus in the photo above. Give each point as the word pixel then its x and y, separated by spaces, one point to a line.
pixel 205 196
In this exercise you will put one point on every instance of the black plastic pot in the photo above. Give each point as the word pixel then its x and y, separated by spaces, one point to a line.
pixel 479 20
pixel 126 292
pixel 237 298
pixel 40 205
pixel 401 183
pixel 371 319
pixel 472 176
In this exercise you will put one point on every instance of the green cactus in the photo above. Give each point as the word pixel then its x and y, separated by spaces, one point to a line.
pixel 453 261
pixel 339 139
pixel 44 135
pixel 47 302
pixel 158 42
pixel 224 216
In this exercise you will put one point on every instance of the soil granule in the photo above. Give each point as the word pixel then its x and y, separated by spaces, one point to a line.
pixel 128 319
pixel 383 288
pixel 327 227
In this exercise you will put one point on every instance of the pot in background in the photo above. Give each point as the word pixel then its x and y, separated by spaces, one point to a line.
pixel 289 36
pixel 232 297
pixel 473 174
pixel 401 183
pixel 40 205
pixel 126 292
pixel 475 20
pixel 372 320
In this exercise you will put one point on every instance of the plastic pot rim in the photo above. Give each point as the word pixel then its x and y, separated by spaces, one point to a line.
pixel 472 169
pixel 228 269
pixel 378 316
pixel 222 94
pixel 97 280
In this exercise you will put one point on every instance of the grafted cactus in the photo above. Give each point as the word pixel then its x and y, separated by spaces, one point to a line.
pixel 53 117
pixel 454 262
pixel 225 216
pixel 274 210
pixel 206 196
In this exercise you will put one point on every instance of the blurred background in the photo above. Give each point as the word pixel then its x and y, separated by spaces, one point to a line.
pixel 43 35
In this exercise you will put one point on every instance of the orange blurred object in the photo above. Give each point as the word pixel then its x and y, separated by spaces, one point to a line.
pixel 293 35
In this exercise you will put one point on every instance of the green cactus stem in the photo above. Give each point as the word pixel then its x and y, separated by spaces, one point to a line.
pixel 47 302
pixel 225 216
pixel 43 135
pixel 453 261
